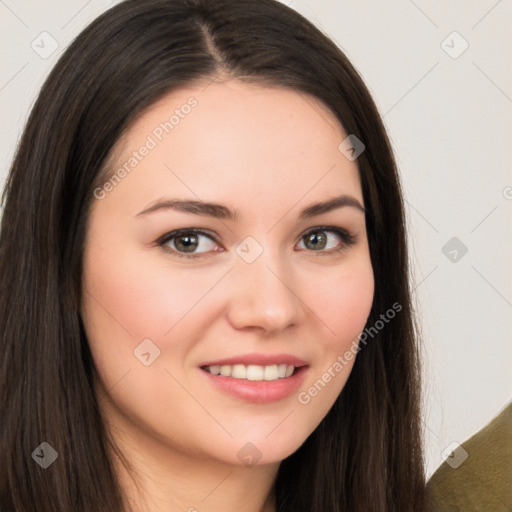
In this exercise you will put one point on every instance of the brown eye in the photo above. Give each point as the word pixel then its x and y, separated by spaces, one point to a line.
pixel 184 243
pixel 318 240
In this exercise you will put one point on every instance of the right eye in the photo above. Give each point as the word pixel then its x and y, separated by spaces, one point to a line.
pixel 183 242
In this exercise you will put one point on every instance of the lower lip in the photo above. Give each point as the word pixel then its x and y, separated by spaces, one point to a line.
pixel 261 391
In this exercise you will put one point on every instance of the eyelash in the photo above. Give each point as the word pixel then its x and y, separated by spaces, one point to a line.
pixel 347 238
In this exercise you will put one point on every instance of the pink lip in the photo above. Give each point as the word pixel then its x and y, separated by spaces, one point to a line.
pixel 260 392
pixel 259 360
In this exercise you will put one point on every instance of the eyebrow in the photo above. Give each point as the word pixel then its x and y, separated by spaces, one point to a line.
pixel 220 211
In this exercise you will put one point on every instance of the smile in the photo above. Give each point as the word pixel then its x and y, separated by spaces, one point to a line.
pixel 254 383
pixel 252 372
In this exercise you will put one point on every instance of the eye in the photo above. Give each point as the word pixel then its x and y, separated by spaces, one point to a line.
pixel 185 242
pixel 317 239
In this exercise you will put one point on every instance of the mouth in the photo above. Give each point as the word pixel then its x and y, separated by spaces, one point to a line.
pixel 252 372
pixel 274 378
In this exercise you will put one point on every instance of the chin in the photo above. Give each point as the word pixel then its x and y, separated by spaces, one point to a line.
pixel 261 450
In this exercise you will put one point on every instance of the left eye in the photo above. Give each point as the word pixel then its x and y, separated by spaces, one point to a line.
pixel 183 243
pixel 318 238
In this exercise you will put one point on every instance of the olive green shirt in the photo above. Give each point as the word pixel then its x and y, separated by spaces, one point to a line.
pixel 478 476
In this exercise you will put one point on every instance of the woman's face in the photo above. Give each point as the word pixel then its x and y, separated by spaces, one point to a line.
pixel 260 292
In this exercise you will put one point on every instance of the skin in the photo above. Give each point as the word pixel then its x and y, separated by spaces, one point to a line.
pixel 268 152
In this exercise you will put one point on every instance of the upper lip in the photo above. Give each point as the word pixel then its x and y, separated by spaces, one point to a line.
pixel 258 360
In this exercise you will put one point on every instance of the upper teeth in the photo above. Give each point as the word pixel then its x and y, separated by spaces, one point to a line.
pixel 252 372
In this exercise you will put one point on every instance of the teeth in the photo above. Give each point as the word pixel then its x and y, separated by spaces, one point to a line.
pixel 215 369
pixel 252 372
pixel 271 372
pixel 238 371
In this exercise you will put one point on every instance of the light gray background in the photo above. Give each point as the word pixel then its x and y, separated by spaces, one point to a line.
pixel 450 122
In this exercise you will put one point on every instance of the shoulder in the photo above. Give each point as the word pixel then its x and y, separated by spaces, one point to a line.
pixel 481 482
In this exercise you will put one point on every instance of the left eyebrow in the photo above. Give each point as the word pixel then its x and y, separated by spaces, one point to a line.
pixel 220 211
pixel 331 204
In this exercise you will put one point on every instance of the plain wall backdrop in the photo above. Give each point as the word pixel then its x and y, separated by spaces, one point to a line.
pixel 438 74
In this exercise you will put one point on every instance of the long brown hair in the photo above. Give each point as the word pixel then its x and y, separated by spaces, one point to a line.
pixel 366 455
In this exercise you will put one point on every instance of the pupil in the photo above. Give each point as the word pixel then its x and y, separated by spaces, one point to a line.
pixel 188 244
pixel 317 239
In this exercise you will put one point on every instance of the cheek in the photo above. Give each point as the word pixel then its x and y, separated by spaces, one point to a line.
pixel 136 296
pixel 353 305
pixel 343 302
pixel 130 299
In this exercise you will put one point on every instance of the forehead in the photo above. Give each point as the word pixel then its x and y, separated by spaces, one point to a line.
pixel 232 139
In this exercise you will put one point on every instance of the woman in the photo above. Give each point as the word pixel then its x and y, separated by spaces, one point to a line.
pixel 172 337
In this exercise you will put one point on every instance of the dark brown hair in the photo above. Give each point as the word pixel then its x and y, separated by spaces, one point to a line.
pixel 366 454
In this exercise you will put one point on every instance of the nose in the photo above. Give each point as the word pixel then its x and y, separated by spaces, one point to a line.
pixel 264 295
